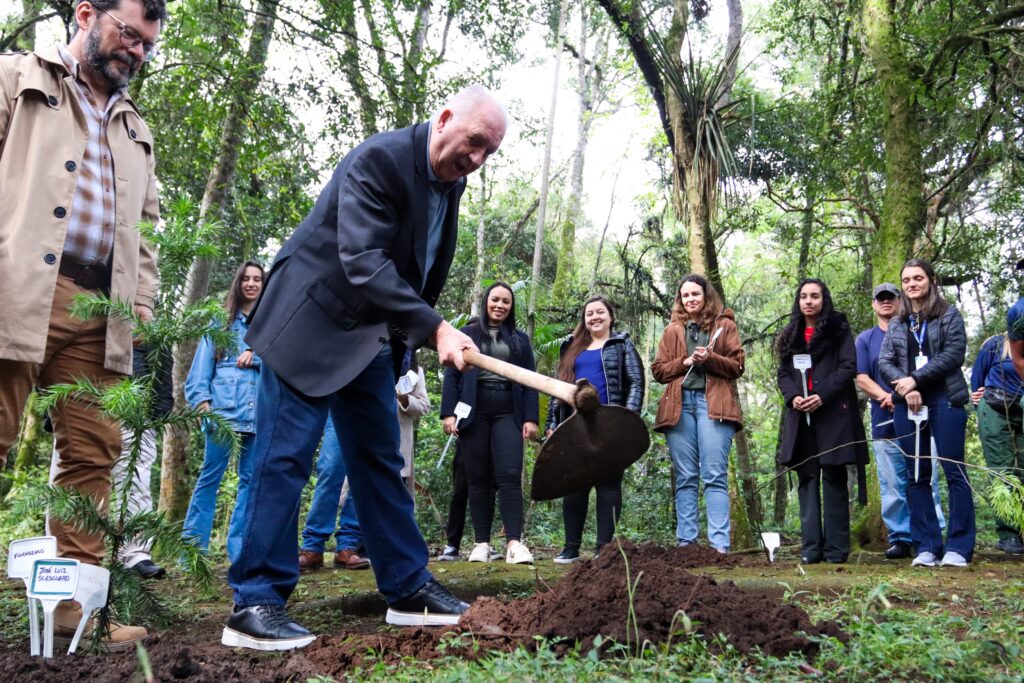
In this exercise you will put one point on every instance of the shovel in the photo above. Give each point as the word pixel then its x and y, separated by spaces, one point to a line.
pixel 594 445
pixel 917 418
pixel 771 541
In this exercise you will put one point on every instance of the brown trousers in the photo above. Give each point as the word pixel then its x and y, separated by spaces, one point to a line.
pixel 87 442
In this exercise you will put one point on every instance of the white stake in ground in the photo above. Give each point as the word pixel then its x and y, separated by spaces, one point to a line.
pixel 802 362
pixel 52 581
pixel 462 411
pixel 771 541
pixel 21 557
pixel 91 593
pixel 917 417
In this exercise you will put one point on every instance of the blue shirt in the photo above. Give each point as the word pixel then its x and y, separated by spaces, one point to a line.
pixel 991 370
pixel 437 209
pixel 869 346
pixel 231 390
pixel 590 367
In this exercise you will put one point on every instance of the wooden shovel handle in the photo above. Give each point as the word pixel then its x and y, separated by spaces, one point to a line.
pixel 548 385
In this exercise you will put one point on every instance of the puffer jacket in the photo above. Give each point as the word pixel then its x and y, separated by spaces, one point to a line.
pixel 623 375
pixel 947 348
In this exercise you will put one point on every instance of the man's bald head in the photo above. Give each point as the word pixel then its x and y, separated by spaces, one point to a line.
pixel 465 132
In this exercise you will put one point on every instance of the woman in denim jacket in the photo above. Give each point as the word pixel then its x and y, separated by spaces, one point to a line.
pixel 224 381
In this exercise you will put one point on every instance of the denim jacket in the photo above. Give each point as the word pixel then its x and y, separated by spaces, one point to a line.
pixel 231 390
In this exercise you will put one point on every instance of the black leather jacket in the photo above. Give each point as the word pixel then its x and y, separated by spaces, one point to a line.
pixel 947 347
pixel 623 374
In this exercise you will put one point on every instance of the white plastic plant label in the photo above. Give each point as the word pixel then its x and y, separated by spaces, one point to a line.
pixel 802 362
pixel 22 554
pixel 54 580
pixel 462 410
pixel 919 415
pixel 93 588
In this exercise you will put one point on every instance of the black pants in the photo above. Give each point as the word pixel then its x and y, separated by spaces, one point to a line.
pixel 492 453
pixel 609 508
pixel 830 539
pixel 460 497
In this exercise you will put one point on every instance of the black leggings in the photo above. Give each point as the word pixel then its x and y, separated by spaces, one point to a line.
pixel 609 507
pixel 492 453
pixel 824 529
pixel 460 496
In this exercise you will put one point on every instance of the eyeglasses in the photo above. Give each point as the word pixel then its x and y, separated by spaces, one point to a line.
pixel 130 37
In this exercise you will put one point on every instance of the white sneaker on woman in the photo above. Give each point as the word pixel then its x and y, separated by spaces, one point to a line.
pixel 924 559
pixel 518 553
pixel 481 553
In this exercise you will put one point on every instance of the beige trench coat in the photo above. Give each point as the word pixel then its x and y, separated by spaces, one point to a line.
pixel 44 134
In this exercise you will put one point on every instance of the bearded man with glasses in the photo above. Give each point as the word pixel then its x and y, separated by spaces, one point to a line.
pixel 77 176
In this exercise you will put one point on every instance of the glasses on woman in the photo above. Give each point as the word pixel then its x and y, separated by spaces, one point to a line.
pixel 130 37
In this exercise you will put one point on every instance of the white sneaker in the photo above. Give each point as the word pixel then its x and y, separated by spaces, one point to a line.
pixel 518 553
pixel 924 559
pixel 953 559
pixel 481 553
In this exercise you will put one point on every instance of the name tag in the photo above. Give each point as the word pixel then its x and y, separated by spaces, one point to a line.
pixel 920 361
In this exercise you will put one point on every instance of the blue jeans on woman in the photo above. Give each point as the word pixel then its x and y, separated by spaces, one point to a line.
pixel 892 483
pixel 323 511
pixel 199 518
pixel 700 449
pixel 947 426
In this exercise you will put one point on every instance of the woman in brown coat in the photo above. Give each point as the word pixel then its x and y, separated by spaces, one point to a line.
pixel 700 357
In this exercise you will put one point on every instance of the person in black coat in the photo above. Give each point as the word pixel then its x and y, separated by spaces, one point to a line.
pixel 504 414
pixel 820 448
pixel 609 361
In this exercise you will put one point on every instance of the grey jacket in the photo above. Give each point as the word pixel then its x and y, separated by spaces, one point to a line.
pixel 947 347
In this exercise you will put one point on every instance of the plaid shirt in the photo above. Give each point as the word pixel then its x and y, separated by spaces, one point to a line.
pixel 90 238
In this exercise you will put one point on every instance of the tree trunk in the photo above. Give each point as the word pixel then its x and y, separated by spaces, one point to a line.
pixel 903 201
pixel 538 244
pixel 353 68
pixel 174 492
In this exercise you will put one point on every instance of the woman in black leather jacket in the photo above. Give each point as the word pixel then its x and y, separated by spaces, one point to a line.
pixel 610 362
pixel 921 357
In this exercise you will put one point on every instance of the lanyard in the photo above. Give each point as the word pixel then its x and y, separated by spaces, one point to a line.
pixel 919 337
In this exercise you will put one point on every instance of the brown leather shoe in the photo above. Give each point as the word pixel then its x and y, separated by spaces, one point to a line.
pixel 65 621
pixel 310 559
pixel 348 559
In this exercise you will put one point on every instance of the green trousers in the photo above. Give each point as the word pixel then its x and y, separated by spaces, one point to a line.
pixel 1002 442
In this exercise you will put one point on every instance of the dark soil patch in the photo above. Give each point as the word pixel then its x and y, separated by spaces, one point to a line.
pixel 592 599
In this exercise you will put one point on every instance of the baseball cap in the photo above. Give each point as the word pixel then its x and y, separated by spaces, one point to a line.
pixel 884 288
pixel 1015 321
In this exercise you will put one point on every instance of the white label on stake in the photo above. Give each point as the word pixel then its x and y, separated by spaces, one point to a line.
pixel 802 361
pixel 93 585
pixel 407 382
pixel 54 580
pixel 462 410
pixel 21 555
pixel 920 415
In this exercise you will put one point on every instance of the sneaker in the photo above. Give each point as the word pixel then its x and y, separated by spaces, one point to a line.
pixel 348 559
pixel 481 553
pixel 924 559
pixel 148 569
pixel 953 559
pixel 567 556
pixel 1011 546
pixel 449 554
pixel 68 614
pixel 518 553
pixel 495 555
pixel 898 550
pixel 310 559
pixel 265 628
pixel 431 605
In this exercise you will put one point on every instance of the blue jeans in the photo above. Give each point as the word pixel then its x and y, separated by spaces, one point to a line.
pixel 199 518
pixel 946 425
pixel 323 511
pixel 700 448
pixel 892 482
pixel 289 425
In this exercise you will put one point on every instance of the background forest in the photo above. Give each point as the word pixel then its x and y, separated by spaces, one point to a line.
pixel 757 142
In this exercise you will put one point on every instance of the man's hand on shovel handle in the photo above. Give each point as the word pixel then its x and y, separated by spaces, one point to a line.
pixel 450 344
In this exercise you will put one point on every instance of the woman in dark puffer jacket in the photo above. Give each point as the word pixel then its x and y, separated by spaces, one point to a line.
pixel 609 361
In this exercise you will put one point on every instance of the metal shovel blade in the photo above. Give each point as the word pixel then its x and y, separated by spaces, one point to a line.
pixel 771 541
pixel 589 448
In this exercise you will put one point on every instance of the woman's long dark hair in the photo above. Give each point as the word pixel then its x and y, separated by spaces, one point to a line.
pixel 507 326
pixel 233 301
pixel 713 305
pixel 787 343
pixel 581 339
pixel 934 305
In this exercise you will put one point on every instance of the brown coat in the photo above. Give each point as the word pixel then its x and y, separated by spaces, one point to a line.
pixel 722 368
pixel 42 139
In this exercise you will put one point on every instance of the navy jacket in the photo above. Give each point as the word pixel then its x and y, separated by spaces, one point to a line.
pixel 350 278
pixel 947 346
pixel 461 386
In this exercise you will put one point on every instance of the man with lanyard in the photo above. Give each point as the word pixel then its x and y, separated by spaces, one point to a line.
pixel 76 177
pixel 892 469
pixel 350 290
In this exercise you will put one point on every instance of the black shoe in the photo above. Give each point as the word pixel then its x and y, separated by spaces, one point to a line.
pixel 568 555
pixel 148 569
pixel 810 559
pixel 899 550
pixel 264 627
pixel 431 605
pixel 836 560
pixel 1011 546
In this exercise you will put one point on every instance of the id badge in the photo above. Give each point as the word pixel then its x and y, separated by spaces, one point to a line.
pixel 920 361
